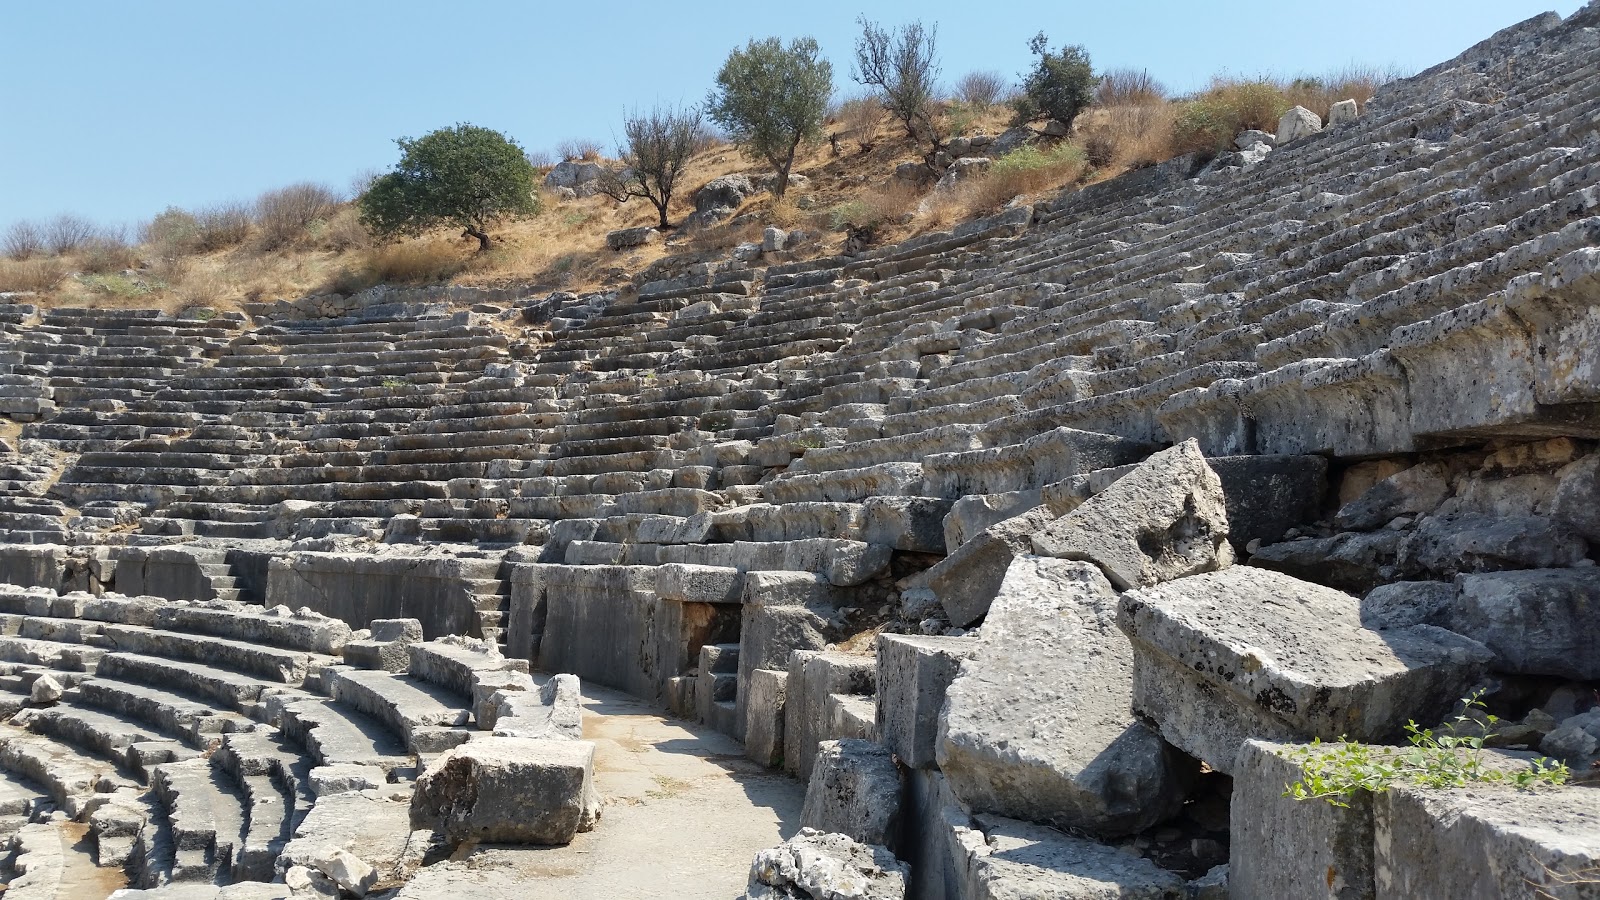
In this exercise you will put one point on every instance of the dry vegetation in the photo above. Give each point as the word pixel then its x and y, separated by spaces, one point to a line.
pixel 306 238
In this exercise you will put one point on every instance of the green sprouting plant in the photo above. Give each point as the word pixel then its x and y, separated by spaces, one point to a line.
pixel 809 441
pixel 394 383
pixel 116 285
pixel 1449 757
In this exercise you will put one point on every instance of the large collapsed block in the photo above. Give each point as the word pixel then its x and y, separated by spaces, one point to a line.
pixel 914 672
pixel 509 790
pixel 1248 653
pixel 1164 520
pixel 1038 724
pixel 854 790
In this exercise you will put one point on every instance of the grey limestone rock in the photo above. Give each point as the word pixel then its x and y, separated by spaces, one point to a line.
pixel 1577 499
pixel 628 238
pixel 814 865
pixel 1411 492
pixel 914 673
pixel 1471 543
pixel 854 790
pixel 1164 520
pixel 1003 859
pixel 1245 653
pixel 1486 842
pixel 1297 123
pixel 966 581
pixel 509 790
pixel 1038 725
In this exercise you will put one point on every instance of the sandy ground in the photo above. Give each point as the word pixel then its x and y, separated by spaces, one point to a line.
pixel 685 812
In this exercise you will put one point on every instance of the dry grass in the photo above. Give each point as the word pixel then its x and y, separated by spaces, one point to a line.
pixel 32 275
pixel 1129 87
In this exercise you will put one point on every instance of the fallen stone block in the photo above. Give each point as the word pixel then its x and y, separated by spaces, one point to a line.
pixel 1483 842
pixel 1446 545
pixel 347 870
pixel 855 791
pixel 914 672
pixel 1353 561
pixel 817 866
pixel 1537 622
pixel 1296 848
pixel 1416 491
pixel 967 580
pixel 1164 520
pixel 1003 859
pixel 509 790
pixel 1245 653
pixel 1038 725
pixel 1265 496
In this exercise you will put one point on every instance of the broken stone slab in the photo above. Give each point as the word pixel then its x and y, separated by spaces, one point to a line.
pixel 345 869
pixel 1416 491
pixel 1267 495
pixel 966 581
pixel 914 673
pixel 855 791
pixel 1483 842
pixel 1577 497
pixel 1472 543
pixel 628 238
pixel 509 790
pixel 1164 520
pixel 1003 859
pixel 1245 653
pixel 1353 561
pixel 1536 621
pixel 553 711
pixel 817 866
pixel 1038 724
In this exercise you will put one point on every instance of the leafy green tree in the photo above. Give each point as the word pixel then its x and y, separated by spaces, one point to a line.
pixel 464 176
pixel 657 147
pixel 1060 86
pixel 771 98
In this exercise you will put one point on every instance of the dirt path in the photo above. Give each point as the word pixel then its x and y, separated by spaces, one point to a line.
pixel 685 812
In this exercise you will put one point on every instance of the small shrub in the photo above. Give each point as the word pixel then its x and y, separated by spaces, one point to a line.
pixel 23 240
pixel 579 148
pixel 67 233
pixel 172 232
pixel 1449 757
pixel 223 225
pixel 341 231
pixel 122 286
pixel 1130 136
pixel 861 119
pixel 36 275
pixel 1209 123
pixel 106 253
pixel 1060 86
pixel 540 159
pixel 1028 170
pixel 981 89
pixel 283 216
pixel 875 209
pixel 1129 87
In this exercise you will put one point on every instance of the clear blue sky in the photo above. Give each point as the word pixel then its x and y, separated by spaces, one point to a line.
pixel 115 109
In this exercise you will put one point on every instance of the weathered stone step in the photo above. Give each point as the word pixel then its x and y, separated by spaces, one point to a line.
pixel 424 715
pixel 205 815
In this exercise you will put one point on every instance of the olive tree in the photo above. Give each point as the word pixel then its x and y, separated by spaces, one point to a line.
pixel 771 98
pixel 464 176
pixel 904 67
pixel 656 149
pixel 1060 86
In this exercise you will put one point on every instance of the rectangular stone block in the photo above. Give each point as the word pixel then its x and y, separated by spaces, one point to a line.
pixel 813 677
pixel 1294 848
pixel 1223 657
pixel 913 673
pixel 763 699
pixel 1484 843
pixel 509 790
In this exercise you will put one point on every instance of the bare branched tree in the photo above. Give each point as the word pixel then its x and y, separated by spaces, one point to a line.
pixel 284 215
pixel 656 149
pixel 66 233
pixel 904 67
pixel 23 240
